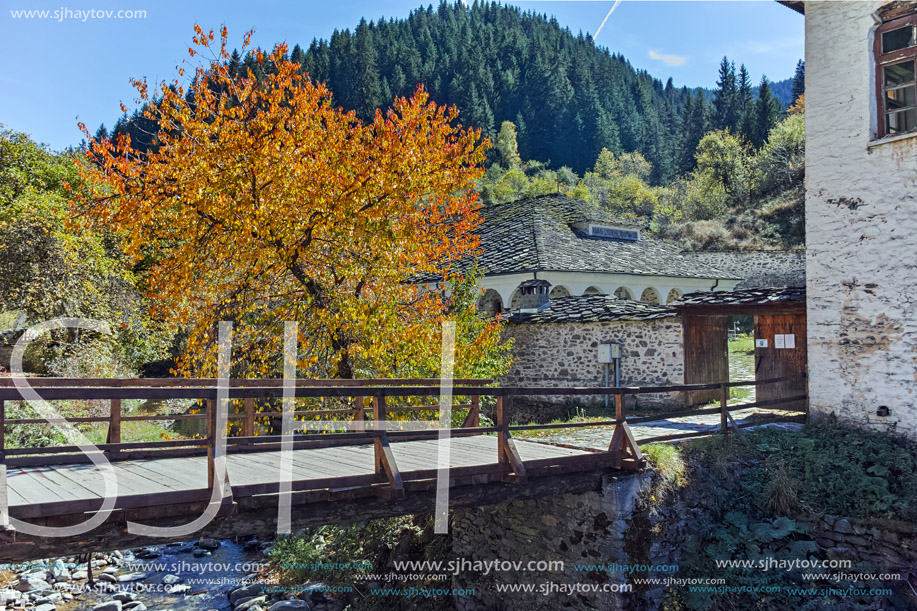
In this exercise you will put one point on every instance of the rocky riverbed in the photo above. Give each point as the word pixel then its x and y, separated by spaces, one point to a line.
pixel 206 575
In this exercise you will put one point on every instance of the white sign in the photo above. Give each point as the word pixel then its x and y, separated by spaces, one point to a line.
pixel 760 343
pixel 785 341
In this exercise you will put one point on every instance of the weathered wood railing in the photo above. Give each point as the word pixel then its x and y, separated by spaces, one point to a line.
pixel 623 450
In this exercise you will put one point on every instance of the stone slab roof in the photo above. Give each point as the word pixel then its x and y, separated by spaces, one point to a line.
pixel 762 296
pixel 538 234
pixel 592 308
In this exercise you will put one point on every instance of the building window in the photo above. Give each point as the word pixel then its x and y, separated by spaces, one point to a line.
pixel 896 85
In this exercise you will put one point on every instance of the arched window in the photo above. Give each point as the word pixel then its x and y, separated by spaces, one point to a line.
pixel 490 303
pixel 560 291
pixel 650 295
pixel 674 294
pixel 592 290
pixel 623 293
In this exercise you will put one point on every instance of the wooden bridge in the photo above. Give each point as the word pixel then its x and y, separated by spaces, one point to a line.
pixel 371 470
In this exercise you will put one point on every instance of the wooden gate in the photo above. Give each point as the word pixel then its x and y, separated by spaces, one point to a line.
pixel 706 355
pixel 784 356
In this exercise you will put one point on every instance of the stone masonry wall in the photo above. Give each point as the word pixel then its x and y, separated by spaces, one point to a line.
pixel 758 268
pixel 584 529
pixel 861 231
pixel 565 354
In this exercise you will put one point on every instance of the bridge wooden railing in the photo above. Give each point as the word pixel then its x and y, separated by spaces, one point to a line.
pixel 623 450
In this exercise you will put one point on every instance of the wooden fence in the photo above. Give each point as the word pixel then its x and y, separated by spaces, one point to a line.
pixel 365 397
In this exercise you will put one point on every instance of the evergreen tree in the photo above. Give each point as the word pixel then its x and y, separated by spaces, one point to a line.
pixel 799 80
pixel 767 112
pixel 725 99
pixel 365 87
pixel 102 133
pixel 694 124
pixel 745 101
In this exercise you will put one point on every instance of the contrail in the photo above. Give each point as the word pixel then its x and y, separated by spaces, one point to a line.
pixel 613 7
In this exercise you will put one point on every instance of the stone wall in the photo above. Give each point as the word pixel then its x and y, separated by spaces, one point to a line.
pixel 574 529
pixel 757 268
pixel 889 546
pixel 565 354
pixel 861 231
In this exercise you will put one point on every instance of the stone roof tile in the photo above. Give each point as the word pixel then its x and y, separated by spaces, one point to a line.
pixel 592 308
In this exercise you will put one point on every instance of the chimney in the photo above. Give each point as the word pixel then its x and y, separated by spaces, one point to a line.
pixel 534 296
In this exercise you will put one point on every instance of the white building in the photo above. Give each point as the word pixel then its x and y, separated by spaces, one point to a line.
pixel 580 250
pixel 861 211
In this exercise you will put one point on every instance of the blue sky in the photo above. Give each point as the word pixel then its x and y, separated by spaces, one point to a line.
pixel 57 70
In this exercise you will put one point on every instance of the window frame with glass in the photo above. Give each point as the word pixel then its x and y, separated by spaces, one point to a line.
pixel 896 76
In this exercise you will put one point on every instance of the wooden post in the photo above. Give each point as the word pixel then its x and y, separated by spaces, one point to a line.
pixel 211 412
pixel 4 500
pixel 114 422
pixel 359 415
pixel 473 417
pixel 501 438
pixel 724 412
pixel 379 432
pixel 248 423
pixel 619 407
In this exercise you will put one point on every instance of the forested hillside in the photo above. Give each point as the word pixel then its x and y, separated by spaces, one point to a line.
pixel 567 97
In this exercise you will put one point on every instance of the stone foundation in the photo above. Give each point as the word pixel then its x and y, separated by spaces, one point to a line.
pixel 577 529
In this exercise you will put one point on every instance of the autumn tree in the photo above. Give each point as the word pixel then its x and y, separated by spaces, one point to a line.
pixel 263 202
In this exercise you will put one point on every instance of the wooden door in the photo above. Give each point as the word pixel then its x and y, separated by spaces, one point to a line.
pixel 706 355
pixel 774 361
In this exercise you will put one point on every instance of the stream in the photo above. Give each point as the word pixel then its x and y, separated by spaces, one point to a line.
pixel 178 576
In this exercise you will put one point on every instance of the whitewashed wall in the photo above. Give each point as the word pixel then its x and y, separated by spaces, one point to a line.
pixel 861 231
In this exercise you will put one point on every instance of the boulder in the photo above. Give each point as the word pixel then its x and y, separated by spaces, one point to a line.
pixel 246 591
pixel 111 605
pixel 171 579
pixel 27 583
pixel 209 544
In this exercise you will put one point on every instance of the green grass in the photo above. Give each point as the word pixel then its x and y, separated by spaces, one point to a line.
pixel 742 343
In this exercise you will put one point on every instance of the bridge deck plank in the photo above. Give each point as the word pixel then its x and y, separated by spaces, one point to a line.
pixel 64 484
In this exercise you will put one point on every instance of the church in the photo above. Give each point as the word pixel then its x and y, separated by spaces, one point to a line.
pixel 574 248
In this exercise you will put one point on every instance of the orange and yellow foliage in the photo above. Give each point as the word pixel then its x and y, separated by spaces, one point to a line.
pixel 262 202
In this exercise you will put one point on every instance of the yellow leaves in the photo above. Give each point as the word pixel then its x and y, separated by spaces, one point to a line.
pixel 265 203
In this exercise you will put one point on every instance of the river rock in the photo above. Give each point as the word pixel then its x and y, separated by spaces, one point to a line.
pixel 29 582
pixel 246 591
pixel 111 605
pixel 179 588
pixel 201 553
pixel 131 577
pixel 49 599
pixel 44 607
pixel 107 578
pixel 170 579
pixel 59 571
pixel 284 605
pixel 8 596
pixel 250 602
pixel 209 544
pixel 135 605
pixel 125 597
pixel 79 575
